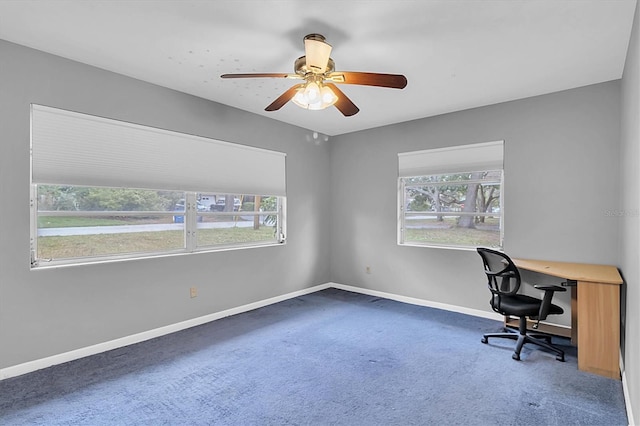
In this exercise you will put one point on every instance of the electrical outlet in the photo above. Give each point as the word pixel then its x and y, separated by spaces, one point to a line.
pixel 368 269
pixel 194 292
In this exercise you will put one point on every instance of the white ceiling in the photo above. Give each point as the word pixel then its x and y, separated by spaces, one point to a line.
pixel 455 54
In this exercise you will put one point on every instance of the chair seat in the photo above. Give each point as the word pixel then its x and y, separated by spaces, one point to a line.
pixel 522 305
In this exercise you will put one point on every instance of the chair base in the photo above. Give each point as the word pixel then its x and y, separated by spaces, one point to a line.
pixel 522 337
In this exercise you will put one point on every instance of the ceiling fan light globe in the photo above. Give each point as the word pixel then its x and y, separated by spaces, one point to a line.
pixel 328 97
pixel 312 92
pixel 317 105
pixel 314 96
pixel 300 99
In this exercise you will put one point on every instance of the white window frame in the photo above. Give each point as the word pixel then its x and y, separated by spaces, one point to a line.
pixel 190 232
pixel 192 222
pixel 481 157
pixel 74 149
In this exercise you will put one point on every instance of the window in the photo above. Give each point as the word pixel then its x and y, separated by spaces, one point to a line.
pixel 95 196
pixel 79 222
pixel 451 197
pixel 238 219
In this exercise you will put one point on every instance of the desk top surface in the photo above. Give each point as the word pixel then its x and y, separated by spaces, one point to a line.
pixel 606 274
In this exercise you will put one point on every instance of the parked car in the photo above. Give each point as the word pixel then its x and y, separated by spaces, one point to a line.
pixel 221 202
pixel 179 207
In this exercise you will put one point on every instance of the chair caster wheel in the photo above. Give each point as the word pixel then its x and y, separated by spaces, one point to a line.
pixel 516 357
pixel 560 358
pixel 484 340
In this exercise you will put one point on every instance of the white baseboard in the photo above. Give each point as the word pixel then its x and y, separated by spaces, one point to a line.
pixel 31 366
pixel 473 312
pixel 39 364
pixel 420 302
pixel 627 400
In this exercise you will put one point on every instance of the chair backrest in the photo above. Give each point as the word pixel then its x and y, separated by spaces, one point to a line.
pixel 502 274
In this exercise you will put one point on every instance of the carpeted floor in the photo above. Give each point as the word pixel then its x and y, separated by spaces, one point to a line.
pixel 328 358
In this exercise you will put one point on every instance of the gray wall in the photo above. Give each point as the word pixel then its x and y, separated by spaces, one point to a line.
pixel 562 171
pixel 630 229
pixel 561 174
pixel 48 312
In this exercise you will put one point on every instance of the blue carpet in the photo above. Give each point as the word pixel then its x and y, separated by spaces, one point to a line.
pixel 328 358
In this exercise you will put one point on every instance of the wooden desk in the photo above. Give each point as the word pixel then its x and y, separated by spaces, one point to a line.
pixel 595 311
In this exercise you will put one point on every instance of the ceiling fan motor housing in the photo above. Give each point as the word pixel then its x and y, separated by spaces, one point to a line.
pixel 300 66
pixel 315 37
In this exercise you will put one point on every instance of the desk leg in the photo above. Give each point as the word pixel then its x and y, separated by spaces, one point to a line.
pixel 599 328
pixel 574 315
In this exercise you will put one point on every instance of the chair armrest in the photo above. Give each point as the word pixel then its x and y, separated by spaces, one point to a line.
pixel 549 288
pixel 545 306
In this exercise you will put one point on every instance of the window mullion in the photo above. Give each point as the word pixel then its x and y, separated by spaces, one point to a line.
pixel 190 223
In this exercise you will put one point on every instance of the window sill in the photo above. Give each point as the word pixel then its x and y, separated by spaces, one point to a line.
pixel 444 247
pixel 56 264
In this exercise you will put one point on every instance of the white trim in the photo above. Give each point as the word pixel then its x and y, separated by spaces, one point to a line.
pixel 35 365
pixel 436 305
pixel 476 313
pixel 627 399
pixel 38 364
pixel 82 261
pixel 419 302
pixel 31 366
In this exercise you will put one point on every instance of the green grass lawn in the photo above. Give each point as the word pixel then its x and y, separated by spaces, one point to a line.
pixel 64 247
pixel 209 237
pixel 446 232
pixel 69 222
pixel 456 236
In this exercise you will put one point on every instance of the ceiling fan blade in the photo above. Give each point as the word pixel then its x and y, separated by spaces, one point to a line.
pixel 284 98
pixel 260 75
pixel 394 81
pixel 317 53
pixel 344 104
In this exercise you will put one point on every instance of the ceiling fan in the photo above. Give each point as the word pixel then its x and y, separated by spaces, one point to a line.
pixel 319 91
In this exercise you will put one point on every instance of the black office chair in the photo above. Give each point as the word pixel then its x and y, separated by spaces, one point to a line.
pixel 504 283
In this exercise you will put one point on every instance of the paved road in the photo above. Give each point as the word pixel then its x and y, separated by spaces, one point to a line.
pixel 123 229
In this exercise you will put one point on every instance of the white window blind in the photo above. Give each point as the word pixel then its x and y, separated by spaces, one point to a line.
pixel 79 149
pixel 464 158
